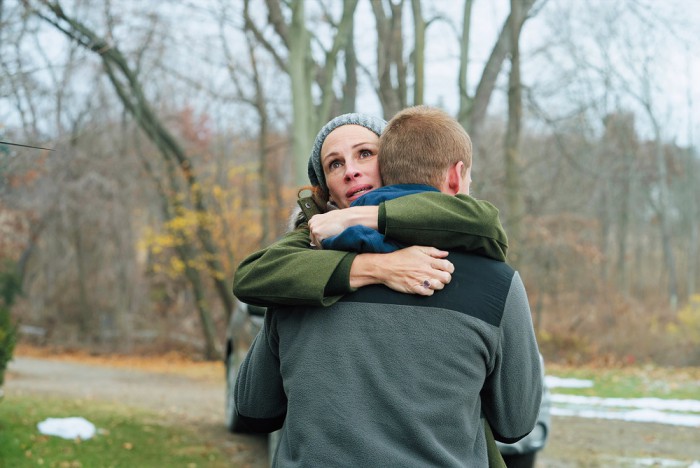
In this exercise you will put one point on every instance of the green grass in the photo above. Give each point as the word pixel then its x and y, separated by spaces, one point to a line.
pixel 633 382
pixel 125 438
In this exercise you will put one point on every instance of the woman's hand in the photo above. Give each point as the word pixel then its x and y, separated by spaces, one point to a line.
pixel 323 226
pixel 414 270
pixel 332 223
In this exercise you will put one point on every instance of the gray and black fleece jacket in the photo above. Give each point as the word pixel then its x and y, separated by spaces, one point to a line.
pixel 388 379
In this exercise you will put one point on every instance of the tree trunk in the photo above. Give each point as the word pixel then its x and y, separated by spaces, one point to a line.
pixel 265 180
pixel 86 314
pixel 603 210
pixel 513 165
pixel 693 255
pixel 418 53
pixel 302 103
pixel 350 86
pixel 465 101
pixel 392 93
pixel 211 349
pixel 472 117
pixel 308 118
pixel 328 98
pixel 664 223
pixel 624 222
pixel 186 254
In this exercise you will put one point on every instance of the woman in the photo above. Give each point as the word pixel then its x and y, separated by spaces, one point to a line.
pixel 343 165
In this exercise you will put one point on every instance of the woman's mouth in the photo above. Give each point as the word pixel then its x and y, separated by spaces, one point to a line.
pixel 356 192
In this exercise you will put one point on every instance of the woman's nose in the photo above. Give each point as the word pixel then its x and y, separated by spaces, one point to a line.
pixel 349 175
pixel 351 172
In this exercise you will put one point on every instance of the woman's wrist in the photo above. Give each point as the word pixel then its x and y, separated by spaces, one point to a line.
pixel 362 215
pixel 365 270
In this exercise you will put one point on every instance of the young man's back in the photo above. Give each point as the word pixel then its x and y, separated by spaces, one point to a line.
pixel 383 378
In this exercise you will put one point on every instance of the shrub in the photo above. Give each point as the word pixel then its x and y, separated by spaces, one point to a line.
pixel 683 333
pixel 9 288
pixel 689 318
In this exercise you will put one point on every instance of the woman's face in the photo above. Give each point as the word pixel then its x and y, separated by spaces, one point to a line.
pixel 349 159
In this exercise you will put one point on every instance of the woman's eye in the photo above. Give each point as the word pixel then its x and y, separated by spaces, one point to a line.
pixel 365 153
pixel 334 165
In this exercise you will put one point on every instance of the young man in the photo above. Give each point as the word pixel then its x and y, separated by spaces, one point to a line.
pixel 384 378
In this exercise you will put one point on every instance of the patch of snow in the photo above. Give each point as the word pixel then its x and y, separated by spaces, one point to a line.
pixel 647 410
pixel 637 415
pixel 554 382
pixel 67 428
pixel 653 462
pixel 644 403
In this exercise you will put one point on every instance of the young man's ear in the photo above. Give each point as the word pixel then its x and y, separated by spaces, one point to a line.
pixel 454 181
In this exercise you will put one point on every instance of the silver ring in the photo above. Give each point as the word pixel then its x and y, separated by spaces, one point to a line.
pixel 426 284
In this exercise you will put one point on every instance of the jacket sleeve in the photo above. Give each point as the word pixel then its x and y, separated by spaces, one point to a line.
pixel 261 404
pixel 289 272
pixel 513 388
pixel 460 223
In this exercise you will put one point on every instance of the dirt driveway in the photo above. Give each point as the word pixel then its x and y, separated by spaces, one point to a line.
pixel 194 395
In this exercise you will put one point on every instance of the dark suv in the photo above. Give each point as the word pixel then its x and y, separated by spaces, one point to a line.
pixel 247 320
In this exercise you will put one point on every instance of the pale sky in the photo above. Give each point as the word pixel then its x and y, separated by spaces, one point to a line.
pixel 676 71
pixel 676 67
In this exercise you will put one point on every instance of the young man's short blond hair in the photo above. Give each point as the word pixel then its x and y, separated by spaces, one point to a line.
pixel 419 145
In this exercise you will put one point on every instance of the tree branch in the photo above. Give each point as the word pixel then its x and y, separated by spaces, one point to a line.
pixel 249 25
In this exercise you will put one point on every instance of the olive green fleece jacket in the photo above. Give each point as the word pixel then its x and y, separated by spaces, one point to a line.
pixel 290 272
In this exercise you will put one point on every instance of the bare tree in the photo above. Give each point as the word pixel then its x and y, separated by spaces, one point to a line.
pixel 512 151
pixel 350 84
pixel 692 194
pixel 693 204
pixel 304 70
pixel 645 97
pixel 418 55
pixel 128 88
pixel 257 99
pixel 391 66
pixel 472 110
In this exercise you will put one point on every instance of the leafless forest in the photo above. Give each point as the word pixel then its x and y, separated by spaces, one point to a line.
pixel 173 136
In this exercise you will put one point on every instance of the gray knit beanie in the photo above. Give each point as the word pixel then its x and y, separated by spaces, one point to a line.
pixel 316 175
